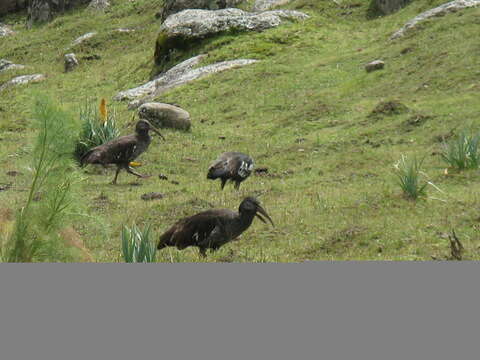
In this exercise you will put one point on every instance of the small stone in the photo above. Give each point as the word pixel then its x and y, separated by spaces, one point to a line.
pixel 5 30
pixel 71 62
pixel 4 187
pixel 152 196
pixel 163 177
pixel 8 65
pixel 174 182
pixel 222 137
pixel 375 65
pixel 13 173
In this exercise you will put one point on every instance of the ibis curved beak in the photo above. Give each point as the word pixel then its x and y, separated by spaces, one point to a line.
pixel 154 129
pixel 261 211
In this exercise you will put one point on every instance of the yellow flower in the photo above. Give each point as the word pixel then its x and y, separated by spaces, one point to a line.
pixel 135 164
pixel 103 110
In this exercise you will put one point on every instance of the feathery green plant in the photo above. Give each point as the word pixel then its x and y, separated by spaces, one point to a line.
pixel 136 245
pixel 409 175
pixel 98 127
pixel 463 153
pixel 50 193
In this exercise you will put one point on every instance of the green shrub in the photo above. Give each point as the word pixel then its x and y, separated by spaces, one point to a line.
pixel 410 176
pixel 462 153
pixel 98 127
pixel 136 245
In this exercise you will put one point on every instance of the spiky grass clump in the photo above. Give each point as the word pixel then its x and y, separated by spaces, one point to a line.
pixel 410 176
pixel 136 245
pixel 97 127
pixel 463 153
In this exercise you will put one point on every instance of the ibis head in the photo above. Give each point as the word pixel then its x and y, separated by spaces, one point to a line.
pixel 143 126
pixel 251 205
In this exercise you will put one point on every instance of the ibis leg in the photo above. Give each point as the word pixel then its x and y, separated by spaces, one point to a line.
pixel 224 181
pixel 116 175
pixel 237 185
pixel 131 171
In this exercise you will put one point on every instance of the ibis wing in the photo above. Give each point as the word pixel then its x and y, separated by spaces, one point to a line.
pixel 196 229
pixel 115 151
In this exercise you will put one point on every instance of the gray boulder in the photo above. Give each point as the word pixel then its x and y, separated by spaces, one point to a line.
pixel 21 80
pixel 441 10
pixel 390 6
pixel 40 11
pixel 8 65
pixel 175 6
pixel 5 30
pixel 71 62
pixel 165 116
pixel 178 29
pixel 262 5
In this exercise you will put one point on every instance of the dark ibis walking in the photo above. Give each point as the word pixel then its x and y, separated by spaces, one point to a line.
pixel 212 229
pixel 233 166
pixel 122 150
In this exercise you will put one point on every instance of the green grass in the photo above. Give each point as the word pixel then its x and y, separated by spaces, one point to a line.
pixel 304 111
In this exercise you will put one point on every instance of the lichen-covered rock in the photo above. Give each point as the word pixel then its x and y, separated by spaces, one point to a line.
pixel 82 38
pixel 8 65
pixel 71 62
pixel 262 5
pixel 164 84
pixel 165 116
pixel 441 10
pixel 175 6
pixel 181 28
pixel 21 80
pixel 5 30
pixel 390 6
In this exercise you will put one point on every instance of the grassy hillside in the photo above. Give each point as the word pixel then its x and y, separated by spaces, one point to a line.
pixel 304 111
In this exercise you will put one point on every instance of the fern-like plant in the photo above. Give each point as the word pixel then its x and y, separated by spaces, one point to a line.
pixel 137 246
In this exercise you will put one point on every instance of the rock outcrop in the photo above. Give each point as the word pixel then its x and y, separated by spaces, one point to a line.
pixel 262 5
pixel 390 6
pixel 441 10
pixel 8 65
pixel 179 75
pixel 165 116
pixel 40 11
pixel 181 28
pixel 168 77
pixel 21 80
pixel 175 6
pixel 7 6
